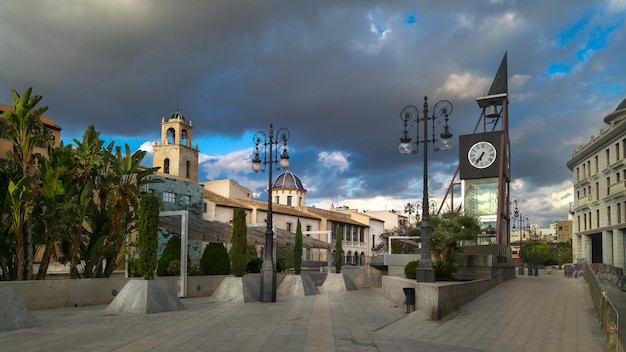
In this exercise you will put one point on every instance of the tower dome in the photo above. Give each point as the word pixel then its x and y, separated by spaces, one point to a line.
pixel 288 180
pixel 177 116
pixel 618 115
pixel 621 105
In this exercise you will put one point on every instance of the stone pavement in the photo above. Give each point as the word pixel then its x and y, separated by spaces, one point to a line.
pixel 544 313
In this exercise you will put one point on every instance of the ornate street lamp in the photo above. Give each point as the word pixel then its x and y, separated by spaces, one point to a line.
pixel 410 114
pixel 269 145
pixel 518 217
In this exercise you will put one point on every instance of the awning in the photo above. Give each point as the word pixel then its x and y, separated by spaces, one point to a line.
pixel 219 232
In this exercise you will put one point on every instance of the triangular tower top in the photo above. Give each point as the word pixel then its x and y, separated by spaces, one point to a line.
pixel 500 82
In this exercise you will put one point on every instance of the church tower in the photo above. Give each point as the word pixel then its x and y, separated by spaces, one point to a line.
pixel 175 155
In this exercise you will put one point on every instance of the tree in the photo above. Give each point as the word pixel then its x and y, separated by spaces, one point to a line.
pixel 563 252
pixel 338 256
pixel 148 234
pixel 409 208
pixel 24 128
pixel 215 260
pixel 238 256
pixel 297 250
pixel 56 209
pixel 447 230
pixel 170 258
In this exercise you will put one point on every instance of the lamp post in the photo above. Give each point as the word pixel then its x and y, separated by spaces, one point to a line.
pixel 410 114
pixel 535 251
pixel 518 217
pixel 530 264
pixel 269 145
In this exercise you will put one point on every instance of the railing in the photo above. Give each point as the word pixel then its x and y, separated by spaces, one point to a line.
pixel 606 311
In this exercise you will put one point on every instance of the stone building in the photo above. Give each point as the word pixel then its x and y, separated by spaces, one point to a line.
pixel 599 207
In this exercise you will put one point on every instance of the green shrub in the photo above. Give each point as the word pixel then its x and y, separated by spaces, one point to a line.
pixel 297 250
pixel 148 232
pixel 445 271
pixel 280 265
pixel 169 263
pixel 338 256
pixel 215 260
pixel 238 252
pixel 410 269
pixel 254 265
pixel 284 258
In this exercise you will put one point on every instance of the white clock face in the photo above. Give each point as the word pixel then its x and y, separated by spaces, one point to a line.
pixel 482 154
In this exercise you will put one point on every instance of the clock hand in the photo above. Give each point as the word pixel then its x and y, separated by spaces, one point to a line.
pixel 480 157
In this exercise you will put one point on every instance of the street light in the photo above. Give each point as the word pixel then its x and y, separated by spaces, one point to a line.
pixel 268 144
pixel 529 256
pixel 535 251
pixel 410 114
pixel 518 217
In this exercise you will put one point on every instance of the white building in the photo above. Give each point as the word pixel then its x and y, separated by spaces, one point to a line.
pixel 599 207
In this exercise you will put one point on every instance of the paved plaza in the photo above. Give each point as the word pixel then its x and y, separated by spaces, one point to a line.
pixel 544 313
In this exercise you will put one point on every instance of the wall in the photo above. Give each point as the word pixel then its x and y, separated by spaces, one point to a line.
pixel 48 294
pixel 439 298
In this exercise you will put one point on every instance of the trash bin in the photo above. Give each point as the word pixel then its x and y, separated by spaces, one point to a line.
pixel 409 298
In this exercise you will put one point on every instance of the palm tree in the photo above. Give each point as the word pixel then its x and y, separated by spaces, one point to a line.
pixel 409 208
pixel 23 127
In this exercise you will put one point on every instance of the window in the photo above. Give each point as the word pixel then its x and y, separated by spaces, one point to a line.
pixel 277 200
pixel 608 215
pixel 617 154
pixel 608 157
pixel 188 169
pixel 169 197
pixel 187 199
pixel 288 226
pixel 205 207
pixel 608 186
pixel 619 213
pixel 308 227
pixel 166 166
pixel 289 200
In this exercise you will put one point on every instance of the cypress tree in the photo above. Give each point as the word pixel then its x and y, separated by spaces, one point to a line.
pixel 297 250
pixel 338 258
pixel 148 231
pixel 215 260
pixel 238 252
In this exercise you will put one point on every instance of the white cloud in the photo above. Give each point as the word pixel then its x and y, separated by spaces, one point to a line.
pixel 466 85
pixel 146 147
pixel 335 159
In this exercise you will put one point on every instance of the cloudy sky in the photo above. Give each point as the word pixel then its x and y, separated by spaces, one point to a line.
pixel 336 74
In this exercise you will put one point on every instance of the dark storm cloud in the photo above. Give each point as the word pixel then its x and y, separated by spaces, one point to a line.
pixel 336 74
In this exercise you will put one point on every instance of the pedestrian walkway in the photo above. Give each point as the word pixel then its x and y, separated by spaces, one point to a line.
pixel 544 313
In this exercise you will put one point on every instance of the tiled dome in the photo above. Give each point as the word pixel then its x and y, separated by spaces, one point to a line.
pixel 288 180
pixel 177 116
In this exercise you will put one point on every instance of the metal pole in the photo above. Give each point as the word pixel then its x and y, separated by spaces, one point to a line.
pixel 425 271
pixel 268 270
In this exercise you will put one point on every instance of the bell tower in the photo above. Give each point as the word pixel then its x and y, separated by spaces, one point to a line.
pixel 175 154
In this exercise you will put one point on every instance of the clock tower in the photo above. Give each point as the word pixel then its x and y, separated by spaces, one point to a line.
pixel 484 162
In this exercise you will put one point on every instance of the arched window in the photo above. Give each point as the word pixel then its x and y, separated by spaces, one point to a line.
pixel 183 137
pixel 171 136
pixel 349 258
pixel 166 166
pixel 188 169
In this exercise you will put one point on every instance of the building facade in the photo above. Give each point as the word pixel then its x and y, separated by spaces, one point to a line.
pixel 599 207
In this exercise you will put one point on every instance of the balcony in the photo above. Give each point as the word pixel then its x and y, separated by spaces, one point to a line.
pixel 583 202
pixel 617 190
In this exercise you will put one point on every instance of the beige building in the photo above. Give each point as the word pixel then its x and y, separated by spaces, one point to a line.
pixel 6 145
pixel 599 207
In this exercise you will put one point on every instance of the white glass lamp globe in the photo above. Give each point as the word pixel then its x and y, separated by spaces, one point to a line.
pixel 284 163
pixel 405 148
pixel 256 166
